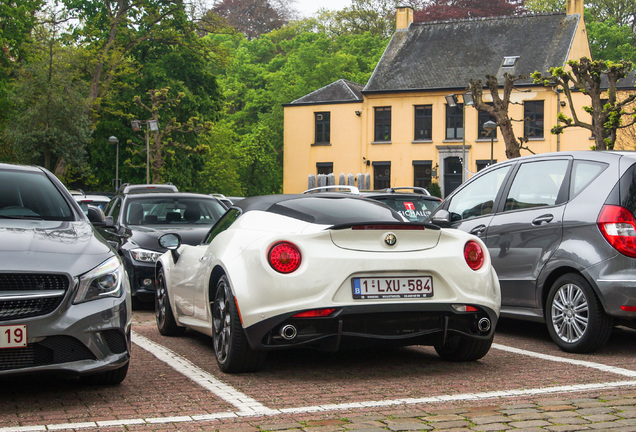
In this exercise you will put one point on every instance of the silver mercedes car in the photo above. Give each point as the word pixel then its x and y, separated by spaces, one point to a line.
pixel 64 296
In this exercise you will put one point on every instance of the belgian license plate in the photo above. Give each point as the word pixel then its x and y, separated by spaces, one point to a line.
pixel 13 336
pixel 392 287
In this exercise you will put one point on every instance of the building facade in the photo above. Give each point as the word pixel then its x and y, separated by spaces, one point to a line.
pixel 412 123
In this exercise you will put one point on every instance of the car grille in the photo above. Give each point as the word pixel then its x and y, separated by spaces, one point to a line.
pixel 26 305
pixel 50 351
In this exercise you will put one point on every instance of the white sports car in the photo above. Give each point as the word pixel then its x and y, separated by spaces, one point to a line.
pixel 327 271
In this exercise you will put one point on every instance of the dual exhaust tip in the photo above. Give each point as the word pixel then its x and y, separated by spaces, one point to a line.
pixel 289 332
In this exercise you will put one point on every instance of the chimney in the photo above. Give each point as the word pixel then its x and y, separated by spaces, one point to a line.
pixel 403 17
pixel 574 7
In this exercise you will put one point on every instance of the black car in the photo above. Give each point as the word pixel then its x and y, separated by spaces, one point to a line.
pixel 561 232
pixel 65 303
pixel 414 203
pixel 135 221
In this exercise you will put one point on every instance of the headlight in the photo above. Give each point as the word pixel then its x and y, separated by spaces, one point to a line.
pixel 105 280
pixel 145 255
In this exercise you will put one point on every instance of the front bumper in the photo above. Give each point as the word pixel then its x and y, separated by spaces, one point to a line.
pixel 362 325
pixel 80 339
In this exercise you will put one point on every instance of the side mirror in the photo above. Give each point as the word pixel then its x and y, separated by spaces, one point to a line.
pixel 441 218
pixel 171 242
pixel 96 216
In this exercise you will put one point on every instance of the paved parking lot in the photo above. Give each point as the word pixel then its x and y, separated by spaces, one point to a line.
pixel 524 383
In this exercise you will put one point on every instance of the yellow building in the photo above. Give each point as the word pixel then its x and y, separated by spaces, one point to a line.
pixel 401 130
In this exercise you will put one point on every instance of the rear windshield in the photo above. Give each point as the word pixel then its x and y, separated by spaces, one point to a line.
pixel 628 189
pixel 335 211
pixel 31 195
pixel 415 209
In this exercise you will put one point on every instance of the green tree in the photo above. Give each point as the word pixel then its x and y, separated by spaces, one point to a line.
pixel 544 5
pixel 17 19
pixel 607 111
pixel 376 17
pixel 610 40
pixel 622 12
pixel 163 137
pixel 274 70
pixel 47 119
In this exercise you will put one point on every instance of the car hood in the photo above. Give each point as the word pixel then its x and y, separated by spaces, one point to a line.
pixel 147 238
pixel 51 246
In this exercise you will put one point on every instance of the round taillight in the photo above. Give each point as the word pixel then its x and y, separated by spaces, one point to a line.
pixel 284 257
pixel 474 255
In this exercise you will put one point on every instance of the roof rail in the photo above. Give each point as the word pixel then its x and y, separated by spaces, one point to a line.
pixel 333 188
pixel 413 188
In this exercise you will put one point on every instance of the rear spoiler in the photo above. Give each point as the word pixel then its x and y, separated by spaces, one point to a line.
pixel 385 226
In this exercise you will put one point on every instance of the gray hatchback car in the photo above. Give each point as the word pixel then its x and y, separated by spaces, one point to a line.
pixel 561 231
pixel 65 302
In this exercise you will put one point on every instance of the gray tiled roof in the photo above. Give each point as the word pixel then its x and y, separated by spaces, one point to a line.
pixel 446 55
pixel 341 91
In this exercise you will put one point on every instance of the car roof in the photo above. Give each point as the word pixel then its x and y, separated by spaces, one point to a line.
pixel 146 188
pixel 305 207
pixel 19 167
pixel 138 196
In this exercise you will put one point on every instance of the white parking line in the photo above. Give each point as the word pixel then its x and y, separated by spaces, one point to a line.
pixel 599 366
pixel 248 407
pixel 245 404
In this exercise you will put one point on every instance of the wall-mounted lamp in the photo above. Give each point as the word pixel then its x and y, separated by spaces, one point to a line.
pixel 358 113
pixel 562 103
pixel 366 161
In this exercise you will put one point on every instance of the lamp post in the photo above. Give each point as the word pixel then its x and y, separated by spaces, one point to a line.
pixel 114 140
pixel 467 99
pixel 491 126
pixel 151 125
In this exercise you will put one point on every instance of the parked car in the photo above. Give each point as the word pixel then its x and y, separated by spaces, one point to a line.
pixel 330 272
pixel 414 203
pixel 65 301
pixel 95 200
pixel 561 233
pixel 136 220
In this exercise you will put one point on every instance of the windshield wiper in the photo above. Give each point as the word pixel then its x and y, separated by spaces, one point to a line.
pixel 21 217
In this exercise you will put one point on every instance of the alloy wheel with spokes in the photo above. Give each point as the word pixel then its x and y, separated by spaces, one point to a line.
pixel 575 316
pixel 570 313
pixel 222 324
pixel 166 323
pixel 231 347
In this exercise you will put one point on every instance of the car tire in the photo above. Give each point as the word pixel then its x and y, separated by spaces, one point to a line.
pixel 166 324
pixel 111 377
pixel 575 317
pixel 232 350
pixel 463 349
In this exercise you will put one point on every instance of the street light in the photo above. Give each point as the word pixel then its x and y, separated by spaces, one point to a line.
pixel 452 102
pixel 151 125
pixel 491 126
pixel 114 140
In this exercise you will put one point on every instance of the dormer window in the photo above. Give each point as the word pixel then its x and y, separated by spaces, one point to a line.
pixel 510 61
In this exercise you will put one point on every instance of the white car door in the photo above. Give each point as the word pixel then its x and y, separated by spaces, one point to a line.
pixel 185 278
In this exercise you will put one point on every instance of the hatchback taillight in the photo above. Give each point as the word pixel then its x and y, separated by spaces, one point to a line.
pixel 474 255
pixel 618 226
pixel 284 257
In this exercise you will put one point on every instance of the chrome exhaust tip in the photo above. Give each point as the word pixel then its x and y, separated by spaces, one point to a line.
pixel 483 325
pixel 288 332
